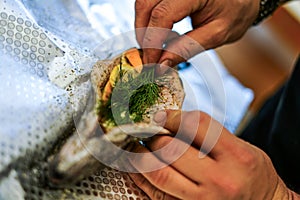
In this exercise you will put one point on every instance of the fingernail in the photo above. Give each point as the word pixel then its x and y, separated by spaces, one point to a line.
pixel 160 117
pixel 164 66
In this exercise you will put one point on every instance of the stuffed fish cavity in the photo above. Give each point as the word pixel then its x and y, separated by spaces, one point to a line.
pixel 126 96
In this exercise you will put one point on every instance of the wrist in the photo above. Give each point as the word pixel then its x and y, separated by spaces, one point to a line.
pixel 283 193
pixel 294 196
pixel 266 8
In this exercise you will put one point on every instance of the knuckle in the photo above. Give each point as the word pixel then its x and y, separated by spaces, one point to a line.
pixel 247 157
pixel 191 120
pixel 161 177
pixel 220 35
pixel 189 117
pixel 186 121
pixel 172 151
pixel 185 51
pixel 204 117
pixel 232 186
pixel 185 47
pixel 141 182
pixel 162 141
pixel 142 5
pixel 157 194
pixel 233 189
pixel 159 12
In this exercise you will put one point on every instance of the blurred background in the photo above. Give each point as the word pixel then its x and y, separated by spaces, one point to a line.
pixel 264 58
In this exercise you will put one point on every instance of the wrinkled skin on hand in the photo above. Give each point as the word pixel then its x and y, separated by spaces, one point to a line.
pixel 214 23
pixel 233 169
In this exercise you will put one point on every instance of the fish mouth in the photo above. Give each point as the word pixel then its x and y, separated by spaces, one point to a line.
pixel 56 176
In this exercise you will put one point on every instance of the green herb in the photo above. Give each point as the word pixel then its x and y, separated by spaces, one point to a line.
pixel 130 99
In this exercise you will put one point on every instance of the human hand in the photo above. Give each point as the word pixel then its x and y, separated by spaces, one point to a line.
pixel 214 24
pixel 233 169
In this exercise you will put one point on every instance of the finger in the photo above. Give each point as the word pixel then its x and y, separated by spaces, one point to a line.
pixel 148 188
pixel 152 44
pixel 163 67
pixel 143 9
pixel 164 177
pixel 166 64
pixel 202 38
pixel 183 157
pixel 200 128
pixel 172 36
pixel 162 18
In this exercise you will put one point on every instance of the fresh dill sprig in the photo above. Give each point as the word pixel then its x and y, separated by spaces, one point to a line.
pixel 143 98
pixel 131 98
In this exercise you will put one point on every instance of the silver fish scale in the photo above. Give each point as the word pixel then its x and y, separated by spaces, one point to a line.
pixel 43 85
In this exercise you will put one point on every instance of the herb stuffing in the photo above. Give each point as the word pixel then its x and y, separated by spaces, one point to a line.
pixel 131 97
